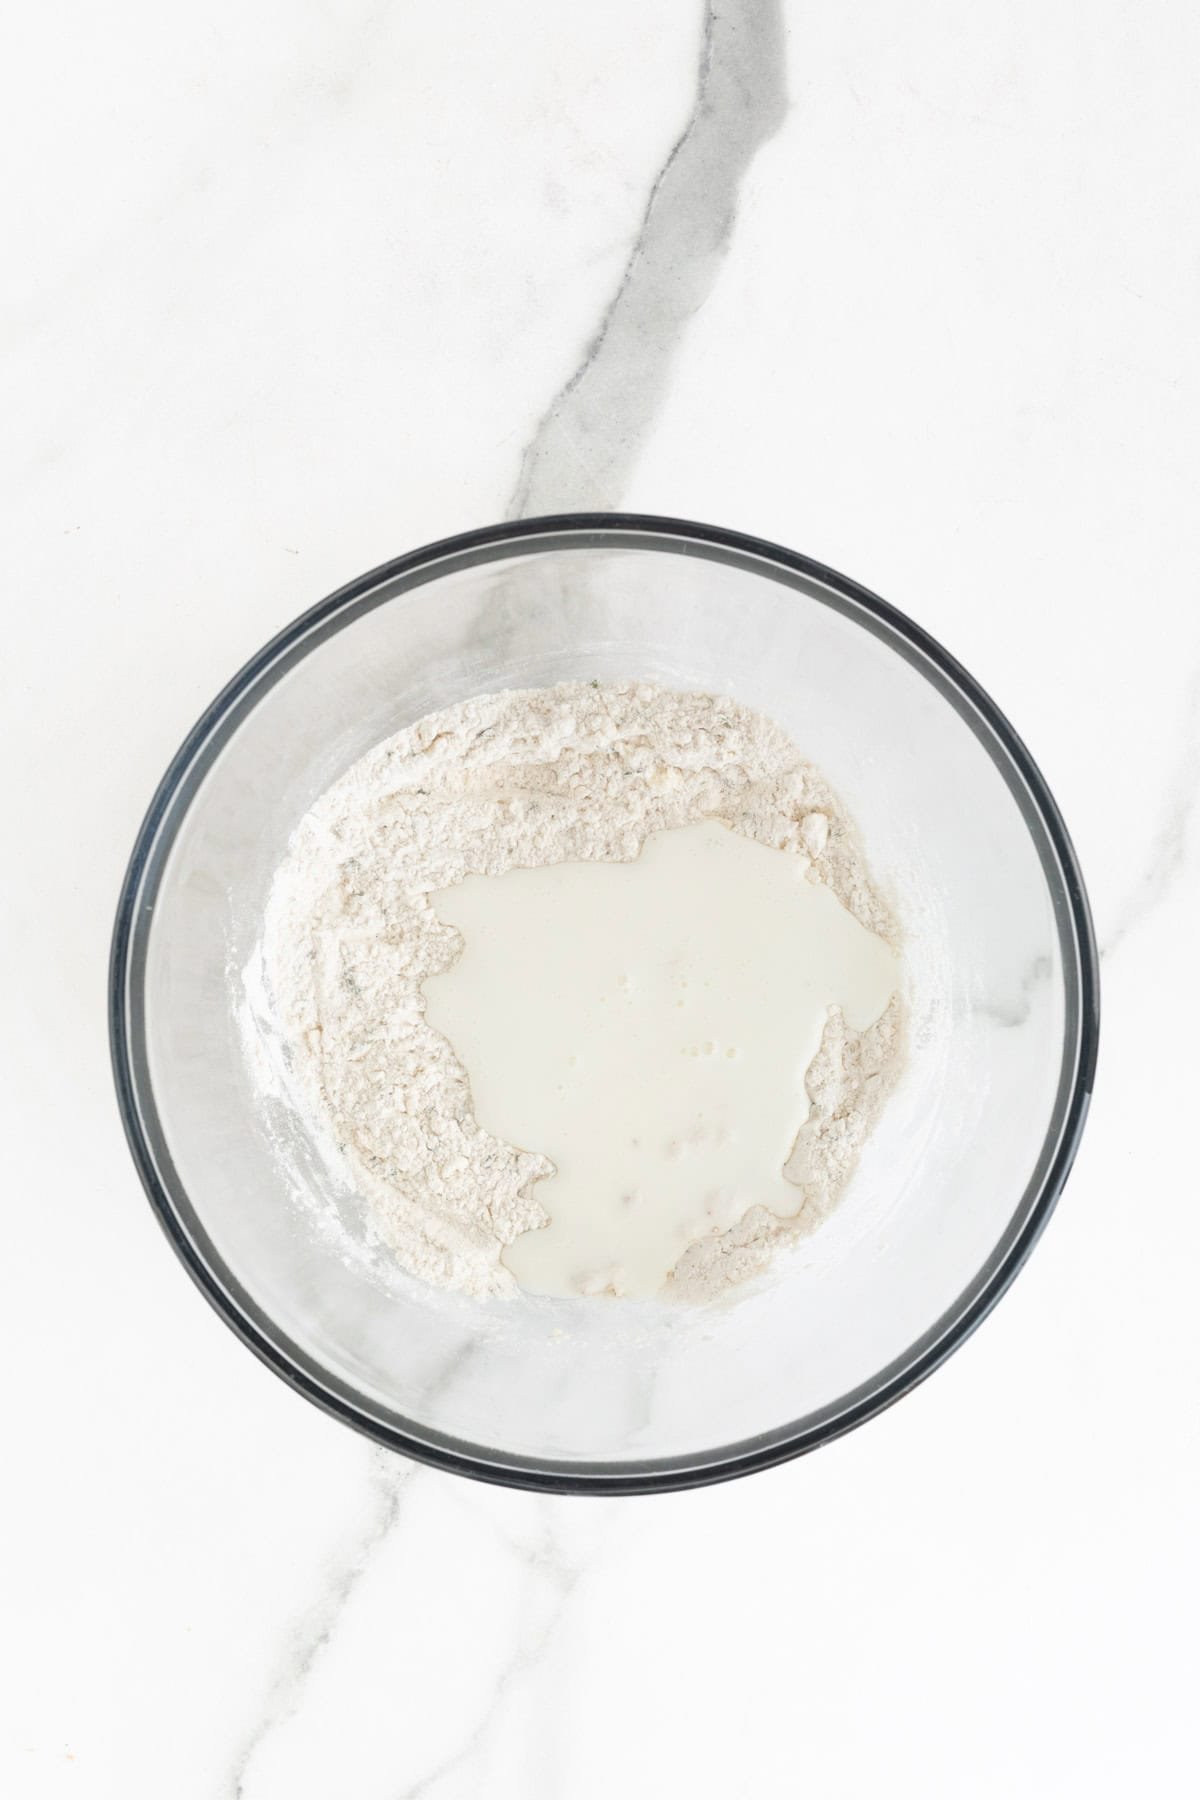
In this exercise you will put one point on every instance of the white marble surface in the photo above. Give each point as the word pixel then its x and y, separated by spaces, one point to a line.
pixel 290 289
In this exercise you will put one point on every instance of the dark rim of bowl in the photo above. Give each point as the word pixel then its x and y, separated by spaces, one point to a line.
pixel 590 530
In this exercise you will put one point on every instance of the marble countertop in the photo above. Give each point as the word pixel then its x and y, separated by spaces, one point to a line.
pixel 292 289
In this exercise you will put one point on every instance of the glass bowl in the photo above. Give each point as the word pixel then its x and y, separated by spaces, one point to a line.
pixel 953 1187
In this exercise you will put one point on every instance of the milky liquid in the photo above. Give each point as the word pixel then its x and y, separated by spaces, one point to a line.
pixel 647 1027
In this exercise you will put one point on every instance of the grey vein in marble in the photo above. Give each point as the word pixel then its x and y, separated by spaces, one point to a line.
pixel 549 1560
pixel 585 445
pixel 1016 1012
pixel 391 1477
pixel 1168 851
pixel 390 1480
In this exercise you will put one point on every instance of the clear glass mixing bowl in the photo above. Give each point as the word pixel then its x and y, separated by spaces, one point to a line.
pixel 954 1186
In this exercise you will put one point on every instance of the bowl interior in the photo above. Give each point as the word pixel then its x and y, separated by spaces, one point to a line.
pixel 948 1184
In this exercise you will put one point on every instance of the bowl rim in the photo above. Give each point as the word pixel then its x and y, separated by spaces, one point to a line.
pixel 182 1225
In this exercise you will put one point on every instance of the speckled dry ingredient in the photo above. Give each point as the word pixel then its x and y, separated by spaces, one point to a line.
pixel 574 772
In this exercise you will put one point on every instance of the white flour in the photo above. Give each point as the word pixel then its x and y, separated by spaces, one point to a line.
pixel 574 772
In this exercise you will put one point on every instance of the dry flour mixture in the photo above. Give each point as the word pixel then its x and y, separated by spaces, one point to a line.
pixel 579 773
